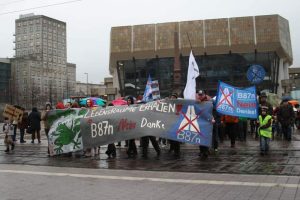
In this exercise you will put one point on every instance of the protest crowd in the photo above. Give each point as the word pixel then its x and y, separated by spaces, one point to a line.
pixel 233 114
pixel 272 123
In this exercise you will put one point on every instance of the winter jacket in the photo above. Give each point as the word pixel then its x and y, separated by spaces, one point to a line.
pixel 24 122
pixel 285 114
pixel 35 120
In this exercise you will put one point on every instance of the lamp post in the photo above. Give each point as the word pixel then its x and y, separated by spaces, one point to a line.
pixel 87 83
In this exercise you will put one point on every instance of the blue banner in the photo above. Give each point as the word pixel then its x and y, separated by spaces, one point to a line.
pixel 237 101
pixel 194 124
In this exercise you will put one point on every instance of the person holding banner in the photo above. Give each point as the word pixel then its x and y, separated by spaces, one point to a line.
pixel 231 127
pixel 48 108
pixel 111 148
pixel 202 97
pixel 91 152
pixel 145 144
pixel 265 130
pixel 132 150
pixel 174 145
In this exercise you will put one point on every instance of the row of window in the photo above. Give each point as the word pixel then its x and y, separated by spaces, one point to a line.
pixel 58 55
pixel 38 21
pixel 47 39
pixel 53 83
pixel 30 29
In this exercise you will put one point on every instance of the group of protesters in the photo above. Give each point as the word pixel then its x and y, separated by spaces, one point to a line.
pixel 271 122
pixel 29 123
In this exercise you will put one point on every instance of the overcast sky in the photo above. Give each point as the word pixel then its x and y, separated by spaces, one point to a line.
pixel 89 23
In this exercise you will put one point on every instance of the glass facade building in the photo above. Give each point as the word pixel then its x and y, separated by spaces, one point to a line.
pixel 223 48
pixel 229 68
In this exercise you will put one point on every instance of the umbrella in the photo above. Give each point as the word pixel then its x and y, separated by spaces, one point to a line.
pixel 95 100
pixel 287 98
pixel 273 99
pixel 294 102
pixel 126 97
pixel 119 102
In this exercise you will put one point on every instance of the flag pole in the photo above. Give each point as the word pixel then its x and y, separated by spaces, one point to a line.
pixel 189 41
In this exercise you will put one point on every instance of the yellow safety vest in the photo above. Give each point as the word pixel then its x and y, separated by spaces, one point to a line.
pixel 266 132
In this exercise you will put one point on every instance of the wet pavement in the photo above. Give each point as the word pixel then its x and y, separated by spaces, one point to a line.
pixel 283 159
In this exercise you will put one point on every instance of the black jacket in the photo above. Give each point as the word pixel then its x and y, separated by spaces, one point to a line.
pixel 35 120
pixel 286 114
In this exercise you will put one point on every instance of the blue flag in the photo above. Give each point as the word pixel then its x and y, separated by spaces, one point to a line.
pixel 237 101
pixel 148 91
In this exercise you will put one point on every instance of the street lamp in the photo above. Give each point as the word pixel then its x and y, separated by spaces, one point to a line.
pixel 87 83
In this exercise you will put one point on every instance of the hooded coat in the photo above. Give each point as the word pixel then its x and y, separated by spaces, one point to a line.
pixel 35 119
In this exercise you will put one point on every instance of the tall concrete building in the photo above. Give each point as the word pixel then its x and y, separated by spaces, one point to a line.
pixel 40 72
pixel 224 50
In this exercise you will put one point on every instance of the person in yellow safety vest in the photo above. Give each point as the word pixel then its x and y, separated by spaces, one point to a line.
pixel 265 130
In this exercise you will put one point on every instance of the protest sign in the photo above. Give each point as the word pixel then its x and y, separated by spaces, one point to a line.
pixel 11 112
pixel 182 120
pixel 236 101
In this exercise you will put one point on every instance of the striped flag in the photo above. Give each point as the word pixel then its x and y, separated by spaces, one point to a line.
pixel 148 91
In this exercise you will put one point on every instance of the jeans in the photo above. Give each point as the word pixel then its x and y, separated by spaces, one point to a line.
pixel 215 135
pixel 37 134
pixel 264 144
pixel 242 130
pixel 22 132
pixel 131 151
pixel 145 144
pixel 287 131
pixel 231 129
pixel 297 123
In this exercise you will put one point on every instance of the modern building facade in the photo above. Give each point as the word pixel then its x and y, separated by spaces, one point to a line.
pixel 224 50
pixel 291 86
pixel 40 72
pixel 5 80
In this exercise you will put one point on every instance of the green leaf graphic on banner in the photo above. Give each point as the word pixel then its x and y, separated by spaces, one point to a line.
pixel 65 134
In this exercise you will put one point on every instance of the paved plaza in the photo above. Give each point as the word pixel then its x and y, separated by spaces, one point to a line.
pixel 283 159
pixel 232 173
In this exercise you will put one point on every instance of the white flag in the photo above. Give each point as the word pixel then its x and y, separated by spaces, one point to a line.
pixel 193 73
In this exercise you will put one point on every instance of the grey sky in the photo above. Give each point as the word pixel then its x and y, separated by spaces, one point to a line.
pixel 89 23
